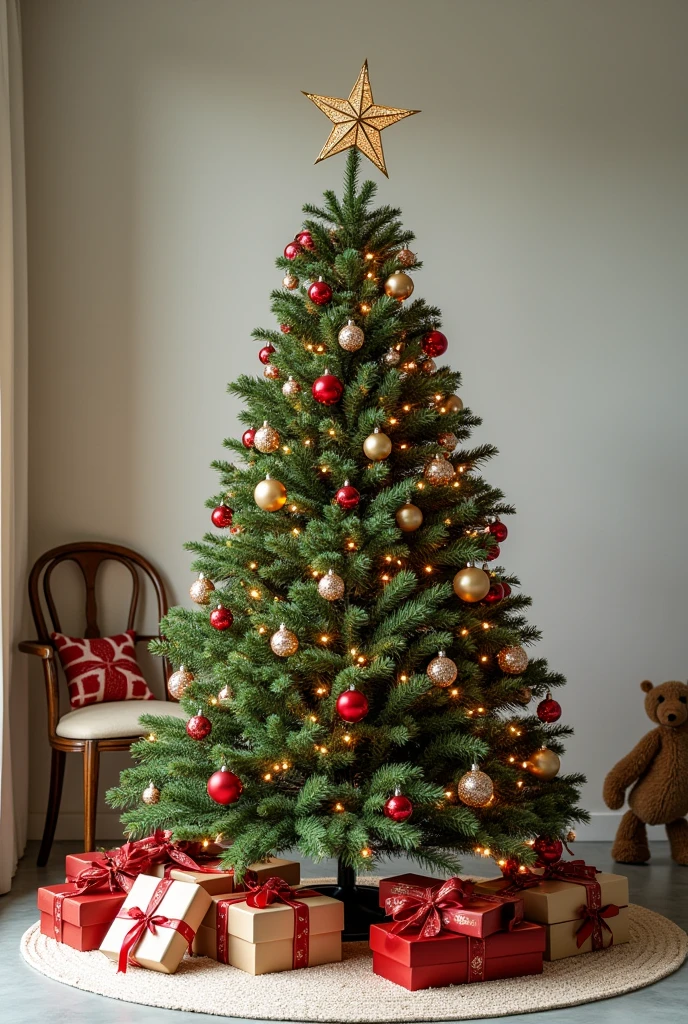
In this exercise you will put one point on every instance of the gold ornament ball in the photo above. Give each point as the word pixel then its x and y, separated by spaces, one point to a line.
pixel 442 671
pixel 201 589
pixel 409 517
pixel 392 357
pixel 448 440
pixel 351 337
pixel 290 281
pixel 451 404
pixel 428 365
pixel 513 660
pixel 570 836
pixel 179 682
pixel 377 446
pixel 225 695
pixel 284 643
pixel 151 794
pixel 271 371
pixel 475 788
pixel 331 586
pixel 524 695
pixel 439 471
pixel 399 286
pixel 471 584
pixel 266 439
pixel 291 387
pixel 544 764
pixel 406 257
pixel 270 495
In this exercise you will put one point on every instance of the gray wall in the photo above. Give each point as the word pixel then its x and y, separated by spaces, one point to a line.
pixel 169 152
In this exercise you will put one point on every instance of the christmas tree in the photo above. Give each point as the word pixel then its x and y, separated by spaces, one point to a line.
pixel 355 681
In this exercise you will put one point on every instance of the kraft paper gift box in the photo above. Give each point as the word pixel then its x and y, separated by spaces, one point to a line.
pixel 222 881
pixel 265 940
pixel 450 959
pixel 79 919
pixel 561 906
pixel 140 927
pixel 479 916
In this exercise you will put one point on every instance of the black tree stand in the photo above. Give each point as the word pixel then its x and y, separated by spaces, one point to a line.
pixel 361 907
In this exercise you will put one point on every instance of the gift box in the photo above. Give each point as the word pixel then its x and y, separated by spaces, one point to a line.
pixel 272 928
pixel 77 918
pixel 108 870
pixel 221 881
pixel 156 923
pixel 451 959
pixel 458 906
pixel 582 909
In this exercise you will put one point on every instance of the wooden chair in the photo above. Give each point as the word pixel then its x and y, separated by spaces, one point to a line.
pixel 95 728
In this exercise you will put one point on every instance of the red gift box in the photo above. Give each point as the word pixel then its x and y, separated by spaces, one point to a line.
pixel 449 959
pixel 80 920
pixel 456 905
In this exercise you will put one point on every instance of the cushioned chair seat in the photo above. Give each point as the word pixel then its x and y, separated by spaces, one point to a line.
pixel 113 719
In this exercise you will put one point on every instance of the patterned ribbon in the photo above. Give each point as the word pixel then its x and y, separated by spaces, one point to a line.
pixel 160 848
pixel 594 924
pixel 476 959
pixel 117 869
pixel 422 908
pixel 74 889
pixel 274 890
pixel 148 919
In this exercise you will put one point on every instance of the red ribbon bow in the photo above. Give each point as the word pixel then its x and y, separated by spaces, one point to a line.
pixel 117 869
pixel 260 896
pixel 160 848
pixel 148 919
pixel 422 909
pixel 570 871
pixel 594 923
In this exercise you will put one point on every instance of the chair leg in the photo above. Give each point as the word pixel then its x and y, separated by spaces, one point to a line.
pixel 91 766
pixel 57 767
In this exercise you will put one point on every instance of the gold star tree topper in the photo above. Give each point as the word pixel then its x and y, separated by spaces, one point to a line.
pixel 358 121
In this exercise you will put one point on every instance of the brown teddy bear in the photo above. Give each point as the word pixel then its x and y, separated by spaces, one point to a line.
pixel 658 766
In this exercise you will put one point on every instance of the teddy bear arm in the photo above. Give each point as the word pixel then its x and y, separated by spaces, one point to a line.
pixel 629 769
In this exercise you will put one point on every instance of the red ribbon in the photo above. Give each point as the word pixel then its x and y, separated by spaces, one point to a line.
pixel 594 924
pixel 476 959
pixel 77 888
pixel 148 919
pixel 117 869
pixel 422 908
pixel 160 848
pixel 274 890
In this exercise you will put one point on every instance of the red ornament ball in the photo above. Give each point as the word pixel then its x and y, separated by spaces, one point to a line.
pixel 494 594
pixel 493 553
pixel 285 328
pixel 198 727
pixel 347 497
pixel 549 851
pixel 398 807
pixel 265 353
pixel 320 292
pixel 498 531
pixel 224 787
pixel 221 617
pixel 434 343
pixel 327 389
pixel 248 436
pixel 305 240
pixel 222 516
pixel 292 250
pixel 352 705
pixel 549 710
pixel 506 588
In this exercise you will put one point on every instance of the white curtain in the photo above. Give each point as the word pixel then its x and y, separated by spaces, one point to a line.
pixel 13 448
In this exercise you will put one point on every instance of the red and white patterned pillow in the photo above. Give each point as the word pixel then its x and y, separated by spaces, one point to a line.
pixel 103 669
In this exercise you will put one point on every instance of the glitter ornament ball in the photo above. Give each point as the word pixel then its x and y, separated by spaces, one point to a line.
pixel 494 594
pixel 544 764
pixel 291 387
pixel 352 705
pixel 331 586
pixel 285 328
pixel 267 439
pixel 271 372
pixel 409 517
pixel 399 286
pixel 178 682
pixel 247 437
pixel 265 353
pixel 221 516
pixel 406 257
pixel 494 552
pixel 305 239
pixel 347 497
pixel 434 343
pixel 498 531
pixel 549 710
pixel 513 660
pixel 151 794
pixel 428 366
pixel 284 643
pixel 320 292
pixel 327 389
pixel 292 250
pixel 448 441
pixel 351 337
pixel 398 807
pixel 377 446
pixel 224 787
pixel 451 404
pixel 199 726
pixel 270 495
pixel 442 671
pixel 439 471
pixel 571 836
pixel 221 618
pixel 471 584
pixel 549 851
pixel 201 589
pixel 475 788
pixel 524 695
pixel 392 357
pixel 290 281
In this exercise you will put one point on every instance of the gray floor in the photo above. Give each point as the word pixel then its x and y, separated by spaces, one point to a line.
pixel 28 997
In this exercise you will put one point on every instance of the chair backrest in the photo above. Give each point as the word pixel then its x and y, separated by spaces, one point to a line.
pixel 89 557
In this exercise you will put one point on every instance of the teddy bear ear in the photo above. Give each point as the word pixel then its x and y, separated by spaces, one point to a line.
pixel 646 686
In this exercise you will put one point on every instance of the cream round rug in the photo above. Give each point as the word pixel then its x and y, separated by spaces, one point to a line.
pixel 349 991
